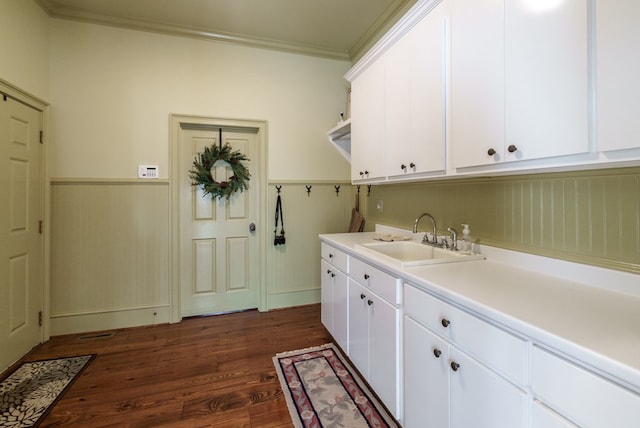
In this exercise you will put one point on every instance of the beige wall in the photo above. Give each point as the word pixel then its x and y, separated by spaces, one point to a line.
pixel 24 46
pixel 113 90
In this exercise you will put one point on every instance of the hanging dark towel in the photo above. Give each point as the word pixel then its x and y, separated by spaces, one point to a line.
pixel 279 239
pixel 357 220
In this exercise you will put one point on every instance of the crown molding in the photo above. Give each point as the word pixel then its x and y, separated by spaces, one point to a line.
pixel 391 15
pixel 418 10
pixel 197 33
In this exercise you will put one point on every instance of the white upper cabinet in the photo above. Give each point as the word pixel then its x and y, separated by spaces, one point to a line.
pixel 519 80
pixel 398 106
pixel 367 124
pixel 617 71
pixel 546 72
pixel 415 98
pixel 464 87
pixel 477 82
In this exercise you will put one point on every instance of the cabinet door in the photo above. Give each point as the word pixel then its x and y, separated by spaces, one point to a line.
pixel 358 327
pixel 398 87
pixel 477 82
pixel 426 378
pixel 367 124
pixel 415 98
pixel 427 99
pixel 340 310
pixel 546 86
pixel 326 295
pixel 618 68
pixel 384 321
pixel 482 399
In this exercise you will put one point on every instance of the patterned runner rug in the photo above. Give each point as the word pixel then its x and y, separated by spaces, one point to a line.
pixel 30 392
pixel 322 390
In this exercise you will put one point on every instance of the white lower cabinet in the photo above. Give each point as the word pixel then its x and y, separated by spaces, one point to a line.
pixel 445 386
pixel 436 363
pixel 373 342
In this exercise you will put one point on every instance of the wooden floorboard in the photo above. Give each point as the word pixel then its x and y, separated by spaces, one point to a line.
pixel 203 372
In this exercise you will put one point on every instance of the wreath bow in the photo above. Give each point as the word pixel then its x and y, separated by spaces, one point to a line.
pixel 201 173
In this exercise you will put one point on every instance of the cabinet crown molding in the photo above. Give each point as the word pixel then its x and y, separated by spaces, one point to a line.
pixel 408 21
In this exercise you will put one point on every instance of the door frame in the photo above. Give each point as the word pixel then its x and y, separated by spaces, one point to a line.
pixel 42 106
pixel 176 122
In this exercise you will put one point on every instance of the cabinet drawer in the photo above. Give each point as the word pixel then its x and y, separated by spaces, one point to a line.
pixel 583 397
pixel 334 257
pixel 383 284
pixel 543 417
pixel 503 352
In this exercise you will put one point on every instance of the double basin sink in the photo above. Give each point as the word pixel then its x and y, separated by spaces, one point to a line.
pixel 411 253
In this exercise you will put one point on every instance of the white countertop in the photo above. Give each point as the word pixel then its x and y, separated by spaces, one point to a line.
pixel 589 314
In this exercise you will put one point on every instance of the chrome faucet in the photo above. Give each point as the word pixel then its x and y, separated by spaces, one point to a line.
pixel 454 238
pixel 425 239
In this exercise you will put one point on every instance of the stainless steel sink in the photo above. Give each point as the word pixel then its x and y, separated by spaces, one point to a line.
pixel 409 253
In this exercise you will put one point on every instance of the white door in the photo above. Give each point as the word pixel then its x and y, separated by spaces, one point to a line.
pixel 21 243
pixel 219 248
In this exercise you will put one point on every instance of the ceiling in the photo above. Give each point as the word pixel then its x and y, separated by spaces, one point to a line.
pixel 341 29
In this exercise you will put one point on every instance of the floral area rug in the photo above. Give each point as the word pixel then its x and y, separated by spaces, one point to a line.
pixel 322 391
pixel 29 392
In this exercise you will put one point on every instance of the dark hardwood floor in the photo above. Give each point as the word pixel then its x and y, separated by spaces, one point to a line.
pixel 203 372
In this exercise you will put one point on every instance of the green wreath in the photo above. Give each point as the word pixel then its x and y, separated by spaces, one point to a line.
pixel 201 172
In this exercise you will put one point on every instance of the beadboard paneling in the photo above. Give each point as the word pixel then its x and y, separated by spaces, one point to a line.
pixel 293 269
pixel 590 217
pixel 109 252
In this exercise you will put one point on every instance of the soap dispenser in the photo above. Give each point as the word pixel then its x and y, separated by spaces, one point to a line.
pixel 466 239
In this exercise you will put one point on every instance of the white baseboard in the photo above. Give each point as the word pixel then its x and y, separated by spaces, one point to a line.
pixel 293 298
pixel 108 320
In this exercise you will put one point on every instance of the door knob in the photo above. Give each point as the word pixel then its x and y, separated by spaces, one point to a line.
pixel 252 227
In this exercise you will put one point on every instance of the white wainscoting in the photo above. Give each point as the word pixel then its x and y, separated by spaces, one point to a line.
pixel 109 254
pixel 293 271
pixel 110 250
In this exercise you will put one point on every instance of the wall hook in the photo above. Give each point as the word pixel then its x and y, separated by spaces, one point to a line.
pixel 308 190
pixel 369 190
pixel 337 190
pixel 278 189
